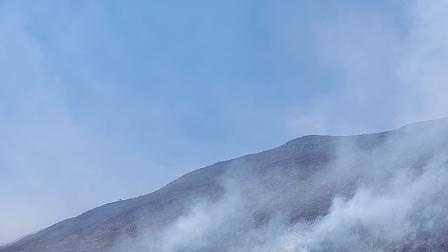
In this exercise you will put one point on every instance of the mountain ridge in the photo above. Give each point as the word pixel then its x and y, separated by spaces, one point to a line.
pixel 299 159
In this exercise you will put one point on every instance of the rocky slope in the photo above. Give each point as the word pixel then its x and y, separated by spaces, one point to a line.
pixel 372 192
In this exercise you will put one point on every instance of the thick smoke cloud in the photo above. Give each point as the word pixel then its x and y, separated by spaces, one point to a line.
pixel 389 197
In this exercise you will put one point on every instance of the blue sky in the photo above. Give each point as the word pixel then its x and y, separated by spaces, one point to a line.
pixel 101 100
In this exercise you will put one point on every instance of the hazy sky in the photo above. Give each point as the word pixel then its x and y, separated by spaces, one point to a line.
pixel 101 100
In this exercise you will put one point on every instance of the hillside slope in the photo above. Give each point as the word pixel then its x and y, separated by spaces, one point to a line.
pixel 372 192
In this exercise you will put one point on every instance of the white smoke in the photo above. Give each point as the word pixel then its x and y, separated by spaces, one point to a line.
pixel 387 197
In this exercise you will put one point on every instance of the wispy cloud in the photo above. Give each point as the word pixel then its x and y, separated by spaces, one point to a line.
pixel 389 65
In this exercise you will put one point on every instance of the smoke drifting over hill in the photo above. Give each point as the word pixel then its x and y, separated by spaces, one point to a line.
pixel 382 192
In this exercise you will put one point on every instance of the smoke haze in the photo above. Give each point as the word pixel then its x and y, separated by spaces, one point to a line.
pixel 99 102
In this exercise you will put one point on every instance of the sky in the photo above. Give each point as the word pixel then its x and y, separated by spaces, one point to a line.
pixel 106 100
